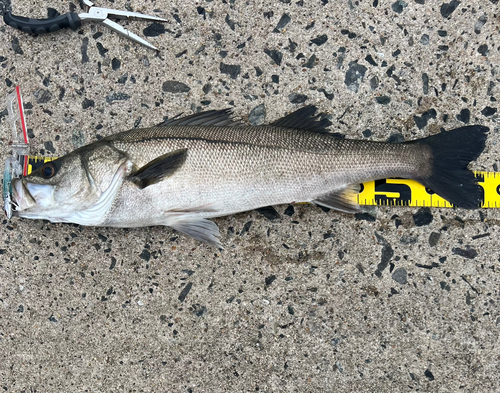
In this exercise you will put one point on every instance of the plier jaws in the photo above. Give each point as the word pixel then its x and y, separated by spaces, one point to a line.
pixel 99 14
pixel 74 21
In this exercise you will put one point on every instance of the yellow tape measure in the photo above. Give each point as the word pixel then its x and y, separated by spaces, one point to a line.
pixel 404 192
pixel 385 192
pixel 31 163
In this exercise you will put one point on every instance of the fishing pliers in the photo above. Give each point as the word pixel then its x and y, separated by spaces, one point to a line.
pixel 74 21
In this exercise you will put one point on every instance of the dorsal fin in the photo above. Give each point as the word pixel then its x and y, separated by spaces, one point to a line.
pixel 219 118
pixel 305 119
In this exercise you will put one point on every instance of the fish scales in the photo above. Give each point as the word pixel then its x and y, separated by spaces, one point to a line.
pixel 249 167
pixel 264 146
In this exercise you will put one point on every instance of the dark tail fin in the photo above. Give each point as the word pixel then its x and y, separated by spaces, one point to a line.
pixel 452 151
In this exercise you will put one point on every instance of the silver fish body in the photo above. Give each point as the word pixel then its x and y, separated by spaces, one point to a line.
pixel 229 170
pixel 187 170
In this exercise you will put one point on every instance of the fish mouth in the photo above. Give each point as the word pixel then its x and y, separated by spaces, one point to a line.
pixel 26 195
pixel 21 198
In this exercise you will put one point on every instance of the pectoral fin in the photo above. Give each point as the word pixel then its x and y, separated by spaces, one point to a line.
pixel 344 200
pixel 158 169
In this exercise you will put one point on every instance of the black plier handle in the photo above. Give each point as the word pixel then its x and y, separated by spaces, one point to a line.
pixel 74 21
pixel 43 26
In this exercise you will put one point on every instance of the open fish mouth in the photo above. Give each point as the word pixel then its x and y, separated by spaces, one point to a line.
pixel 21 199
pixel 26 195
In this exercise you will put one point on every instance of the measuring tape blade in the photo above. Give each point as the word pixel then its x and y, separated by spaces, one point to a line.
pixel 405 192
pixel 32 163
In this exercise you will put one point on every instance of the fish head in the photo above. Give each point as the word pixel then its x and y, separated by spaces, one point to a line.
pixel 62 189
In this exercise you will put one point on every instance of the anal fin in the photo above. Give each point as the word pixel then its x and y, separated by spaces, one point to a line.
pixel 344 199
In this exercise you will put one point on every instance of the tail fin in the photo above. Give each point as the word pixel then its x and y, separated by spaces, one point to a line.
pixel 452 152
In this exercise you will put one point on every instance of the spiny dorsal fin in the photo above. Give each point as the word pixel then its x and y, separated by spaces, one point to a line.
pixel 161 167
pixel 305 119
pixel 344 200
pixel 219 118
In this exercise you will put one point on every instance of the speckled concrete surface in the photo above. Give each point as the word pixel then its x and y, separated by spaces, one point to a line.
pixel 399 300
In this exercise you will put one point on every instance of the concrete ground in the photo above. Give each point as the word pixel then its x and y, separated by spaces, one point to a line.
pixel 403 299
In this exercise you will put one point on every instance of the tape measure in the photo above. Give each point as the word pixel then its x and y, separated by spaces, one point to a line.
pixel 32 163
pixel 385 192
pixel 404 192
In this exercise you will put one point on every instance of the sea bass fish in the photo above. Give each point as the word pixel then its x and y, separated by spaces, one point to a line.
pixel 187 170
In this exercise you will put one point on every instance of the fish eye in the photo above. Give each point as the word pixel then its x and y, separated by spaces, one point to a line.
pixel 48 170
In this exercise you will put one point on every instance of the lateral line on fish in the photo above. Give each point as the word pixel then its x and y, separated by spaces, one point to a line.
pixel 385 192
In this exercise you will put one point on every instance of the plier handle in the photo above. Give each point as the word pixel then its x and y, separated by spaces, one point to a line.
pixel 74 21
